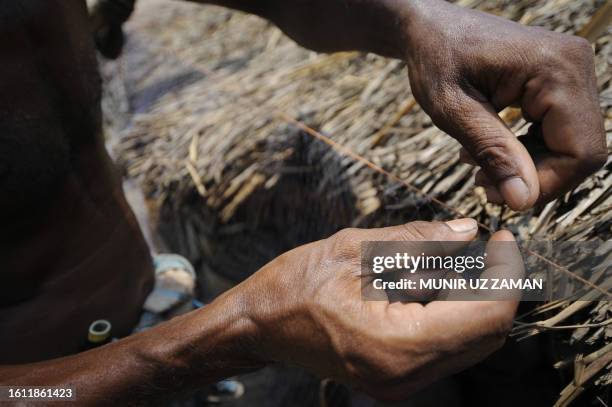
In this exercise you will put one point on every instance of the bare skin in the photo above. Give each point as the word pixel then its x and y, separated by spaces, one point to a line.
pixel 72 251
pixel 303 308
pixel 464 67
pixel 64 220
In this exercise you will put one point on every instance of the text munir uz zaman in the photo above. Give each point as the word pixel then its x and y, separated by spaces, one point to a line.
pixel 459 264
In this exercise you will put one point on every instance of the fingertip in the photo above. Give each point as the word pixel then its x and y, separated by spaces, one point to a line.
pixel 503 236
pixel 522 188
pixel 517 194
pixel 464 225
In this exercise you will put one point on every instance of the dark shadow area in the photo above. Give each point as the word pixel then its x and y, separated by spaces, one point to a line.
pixel 310 200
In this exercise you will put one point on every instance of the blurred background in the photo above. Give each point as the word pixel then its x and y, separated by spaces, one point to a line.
pixel 196 117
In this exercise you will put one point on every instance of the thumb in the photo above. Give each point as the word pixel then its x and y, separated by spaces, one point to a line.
pixel 458 230
pixel 494 147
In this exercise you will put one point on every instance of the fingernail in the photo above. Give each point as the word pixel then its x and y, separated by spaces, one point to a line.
pixel 515 192
pixel 462 225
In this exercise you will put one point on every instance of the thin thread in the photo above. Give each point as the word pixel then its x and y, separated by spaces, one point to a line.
pixel 348 152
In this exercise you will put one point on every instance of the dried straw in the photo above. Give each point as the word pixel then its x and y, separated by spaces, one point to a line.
pixel 192 112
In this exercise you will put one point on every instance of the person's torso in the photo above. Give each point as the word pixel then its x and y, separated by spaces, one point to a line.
pixel 70 248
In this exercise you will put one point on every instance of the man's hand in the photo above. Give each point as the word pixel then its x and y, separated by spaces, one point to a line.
pixel 308 310
pixel 465 66
pixel 304 308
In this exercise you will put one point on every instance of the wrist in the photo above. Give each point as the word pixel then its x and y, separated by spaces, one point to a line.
pixel 388 34
pixel 203 346
pixel 421 20
pixel 386 27
pixel 276 304
pixel 283 304
pixel 402 24
pixel 230 333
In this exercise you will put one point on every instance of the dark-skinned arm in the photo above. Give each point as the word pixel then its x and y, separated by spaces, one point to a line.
pixel 304 308
pixel 376 26
pixel 464 67
pixel 154 366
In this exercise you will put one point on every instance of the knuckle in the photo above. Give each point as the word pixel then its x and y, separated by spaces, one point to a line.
pixel 568 59
pixel 434 232
pixel 577 59
pixel 579 46
pixel 565 46
pixel 344 235
pixel 493 155
pixel 345 243
pixel 418 230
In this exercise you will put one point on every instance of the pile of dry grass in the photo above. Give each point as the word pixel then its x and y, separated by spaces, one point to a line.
pixel 195 102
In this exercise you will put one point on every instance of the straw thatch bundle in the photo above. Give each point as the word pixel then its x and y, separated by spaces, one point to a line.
pixel 194 105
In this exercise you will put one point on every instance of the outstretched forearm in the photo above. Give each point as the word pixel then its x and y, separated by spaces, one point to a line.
pixel 162 363
pixel 465 66
pixel 376 26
